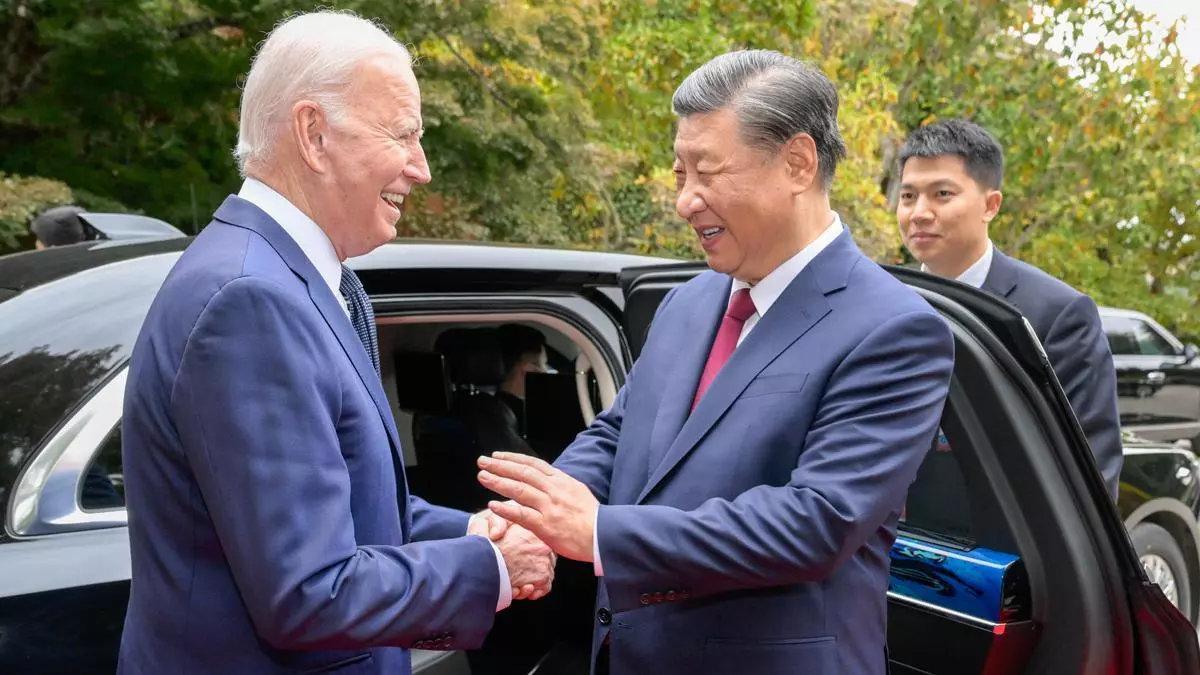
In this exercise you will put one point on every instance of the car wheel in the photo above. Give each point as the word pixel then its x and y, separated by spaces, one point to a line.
pixel 1164 564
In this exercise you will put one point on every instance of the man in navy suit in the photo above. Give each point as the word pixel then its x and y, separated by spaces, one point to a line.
pixel 951 173
pixel 740 497
pixel 270 525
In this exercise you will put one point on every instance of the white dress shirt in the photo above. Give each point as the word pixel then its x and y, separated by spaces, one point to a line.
pixel 309 236
pixel 315 246
pixel 977 273
pixel 764 294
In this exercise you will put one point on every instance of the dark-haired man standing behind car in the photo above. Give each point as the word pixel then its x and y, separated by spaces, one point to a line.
pixel 951 173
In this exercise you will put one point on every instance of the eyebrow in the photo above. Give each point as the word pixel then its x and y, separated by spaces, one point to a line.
pixel 943 182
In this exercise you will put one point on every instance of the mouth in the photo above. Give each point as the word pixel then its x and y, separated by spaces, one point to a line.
pixel 922 237
pixel 393 199
pixel 709 235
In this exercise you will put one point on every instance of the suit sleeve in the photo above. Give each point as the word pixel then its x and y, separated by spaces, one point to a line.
pixel 1079 353
pixel 430 521
pixel 868 437
pixel 255 406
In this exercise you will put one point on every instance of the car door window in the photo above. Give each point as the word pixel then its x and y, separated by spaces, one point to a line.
pixel 1151 342
pixel 103 485
pixel 1128 336
pixel 1122 337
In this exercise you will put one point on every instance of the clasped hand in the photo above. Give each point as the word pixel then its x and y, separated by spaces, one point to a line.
pixel 529 561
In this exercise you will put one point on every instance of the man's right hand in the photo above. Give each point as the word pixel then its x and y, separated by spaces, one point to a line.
pixel 530 563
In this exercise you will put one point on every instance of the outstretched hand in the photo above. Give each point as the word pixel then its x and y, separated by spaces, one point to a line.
pixel 560 510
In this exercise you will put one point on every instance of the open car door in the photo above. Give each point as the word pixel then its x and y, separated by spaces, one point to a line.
pixel 1010 555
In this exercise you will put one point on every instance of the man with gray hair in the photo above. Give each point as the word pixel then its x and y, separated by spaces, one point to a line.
pixel 739 499
pixel 262 465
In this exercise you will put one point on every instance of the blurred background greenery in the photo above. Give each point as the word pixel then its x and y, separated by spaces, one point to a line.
pixel 549 122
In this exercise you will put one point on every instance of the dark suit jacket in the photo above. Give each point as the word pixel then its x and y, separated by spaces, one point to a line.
pixel 751 535
pixel 263 474
pixel 1068 325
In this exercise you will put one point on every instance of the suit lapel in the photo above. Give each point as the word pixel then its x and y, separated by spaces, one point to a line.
pixel 699 329
pixel 1002 277
pixel 801 306
pixel 241 213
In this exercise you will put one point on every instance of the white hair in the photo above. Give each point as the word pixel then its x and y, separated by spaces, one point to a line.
pixel 306 57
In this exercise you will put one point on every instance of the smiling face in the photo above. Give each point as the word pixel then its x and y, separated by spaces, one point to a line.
pixel 372 158
pixel 944 213
pixel 740 200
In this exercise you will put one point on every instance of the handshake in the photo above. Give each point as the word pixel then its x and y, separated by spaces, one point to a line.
pixel 548 513
pixel 529 561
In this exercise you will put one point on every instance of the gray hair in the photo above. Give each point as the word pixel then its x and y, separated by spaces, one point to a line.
pixel 306 57
pixel 774 96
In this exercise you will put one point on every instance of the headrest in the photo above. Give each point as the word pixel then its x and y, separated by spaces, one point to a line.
pixel 472 356
pixel 422 383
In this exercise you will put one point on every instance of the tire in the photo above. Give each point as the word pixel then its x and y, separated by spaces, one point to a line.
pixel 1164 563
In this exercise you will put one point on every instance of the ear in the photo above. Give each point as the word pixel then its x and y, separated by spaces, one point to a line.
pixel 310 130
pixel 994 199
pixel 803 165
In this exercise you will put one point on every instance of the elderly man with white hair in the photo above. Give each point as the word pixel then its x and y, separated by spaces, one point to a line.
pixel 262 465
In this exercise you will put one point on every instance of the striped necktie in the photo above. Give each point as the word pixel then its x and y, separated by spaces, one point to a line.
pixel 361 315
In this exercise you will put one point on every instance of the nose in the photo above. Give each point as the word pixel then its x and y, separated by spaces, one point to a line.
pixel 688 203
pixel 921 211
pixel 418 167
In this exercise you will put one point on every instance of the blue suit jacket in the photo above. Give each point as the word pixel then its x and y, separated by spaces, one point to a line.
pixel 1069 327
pixel 752 535
pixel 269 521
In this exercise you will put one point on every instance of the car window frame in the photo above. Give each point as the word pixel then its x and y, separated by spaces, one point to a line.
pixel 46 498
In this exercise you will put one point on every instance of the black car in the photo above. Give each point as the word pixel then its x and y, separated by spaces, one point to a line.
pixel 1011 557
pixel 1158 377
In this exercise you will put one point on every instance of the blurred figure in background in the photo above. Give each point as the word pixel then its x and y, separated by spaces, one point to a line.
pixel 59 226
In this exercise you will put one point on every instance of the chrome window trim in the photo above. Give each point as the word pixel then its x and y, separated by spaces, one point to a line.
pixel 974 620
pixel 46 497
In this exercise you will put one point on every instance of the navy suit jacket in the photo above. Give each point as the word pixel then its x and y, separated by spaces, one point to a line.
pixel 269 521
pixel 1068 324
pixel 752 534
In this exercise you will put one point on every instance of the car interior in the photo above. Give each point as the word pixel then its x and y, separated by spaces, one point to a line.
pixel 445 377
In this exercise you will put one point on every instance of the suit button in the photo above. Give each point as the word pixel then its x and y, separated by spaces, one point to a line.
pixel 644 599
pixel 604 616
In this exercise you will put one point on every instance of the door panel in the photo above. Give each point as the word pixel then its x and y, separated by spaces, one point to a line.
pixel 645 288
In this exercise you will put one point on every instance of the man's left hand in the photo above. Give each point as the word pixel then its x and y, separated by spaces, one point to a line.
pixel 560 510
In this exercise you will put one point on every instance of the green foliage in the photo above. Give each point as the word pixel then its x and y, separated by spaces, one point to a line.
pixel 549 121
pixel 22 198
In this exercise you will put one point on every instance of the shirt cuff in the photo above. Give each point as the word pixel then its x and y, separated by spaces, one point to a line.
pixel 596 566
pixel 505 598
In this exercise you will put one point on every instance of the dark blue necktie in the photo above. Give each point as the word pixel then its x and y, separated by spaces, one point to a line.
pixel 361 315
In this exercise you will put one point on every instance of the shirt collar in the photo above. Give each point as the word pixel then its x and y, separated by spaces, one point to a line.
pixel 309 236
pixel 977 273
pixel 766 292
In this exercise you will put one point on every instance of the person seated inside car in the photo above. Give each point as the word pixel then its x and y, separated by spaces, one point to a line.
pixel 523 351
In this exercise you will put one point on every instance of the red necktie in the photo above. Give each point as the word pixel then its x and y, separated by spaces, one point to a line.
pixel 741 307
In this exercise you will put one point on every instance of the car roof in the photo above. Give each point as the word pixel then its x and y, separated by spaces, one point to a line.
pixel 1127 313
pixel 22 271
